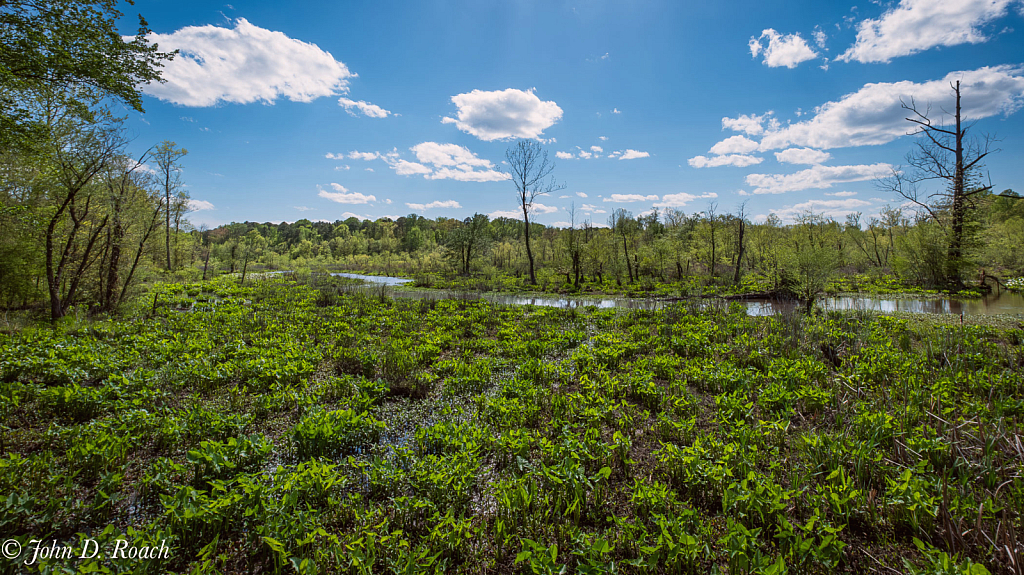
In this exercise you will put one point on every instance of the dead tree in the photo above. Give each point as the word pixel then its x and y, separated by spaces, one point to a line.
pixel 944 153
pixel 528 167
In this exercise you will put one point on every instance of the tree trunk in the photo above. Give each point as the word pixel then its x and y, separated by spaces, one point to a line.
pixel 956 241
pixel 529 252
pixel 625 251
pixel 739 256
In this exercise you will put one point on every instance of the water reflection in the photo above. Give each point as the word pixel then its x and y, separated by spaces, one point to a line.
pixel 1003 302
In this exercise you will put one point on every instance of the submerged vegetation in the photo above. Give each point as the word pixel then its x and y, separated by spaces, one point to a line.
pixel 292 426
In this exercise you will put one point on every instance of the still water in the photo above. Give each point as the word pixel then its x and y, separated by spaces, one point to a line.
pixel 1003 302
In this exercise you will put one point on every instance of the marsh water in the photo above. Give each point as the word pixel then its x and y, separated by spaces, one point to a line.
pixel 1002 302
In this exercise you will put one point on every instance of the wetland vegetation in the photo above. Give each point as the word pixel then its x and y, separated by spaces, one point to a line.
pixel 298 425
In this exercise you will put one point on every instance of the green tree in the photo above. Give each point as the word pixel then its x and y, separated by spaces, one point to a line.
pixel 166 156
pixel 70 50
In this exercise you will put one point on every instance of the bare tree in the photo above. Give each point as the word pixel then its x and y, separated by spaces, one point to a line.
pixel 621 222
pixel 741 221
pixel 528 167
pixel 575 245
pixel 944 153
pixel 167 155
pixel 80 154
pixel 713 225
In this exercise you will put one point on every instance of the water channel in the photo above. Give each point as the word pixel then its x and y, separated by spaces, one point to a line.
pixel 1002 302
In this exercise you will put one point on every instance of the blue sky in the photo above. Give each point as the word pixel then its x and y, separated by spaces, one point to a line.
pixel 322 111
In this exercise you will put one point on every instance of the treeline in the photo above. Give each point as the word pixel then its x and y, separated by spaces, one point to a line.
pixel 714 248
pixel 81 221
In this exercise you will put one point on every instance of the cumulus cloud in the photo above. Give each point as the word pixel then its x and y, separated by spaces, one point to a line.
pixel 511 214
pixel 734 145
pixel 916 25
pixel 820 37
pixel 368 109
pixel 407 168
pixel 303 208
pixel 589 209
pixel 343 196
pixel 632 155
pixel 581 194
pixel 841 194
pixel 435 204
pixel 751 124
pixel 447 155
pixel 244 64
pixel 781 49
pixel 681 199
pixel 817 177
pixel 833 208
pixel 623 198
pixel 597 149
pixel 354 155
pixel 802 156
pixel 438 162
pixel 454 162
pixel 603 138
pixel 565 156
pixel 503 114
pixel 199 205
pixel 874 114
pixel 738 160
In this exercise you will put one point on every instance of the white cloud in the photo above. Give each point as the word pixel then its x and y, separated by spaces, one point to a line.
pixel 833 208
pixel 503 114
pixel 841 194
pixel 782 49
pixel 623 198
pixel 343 196
pixel 603 138
pixel 542 209
pixel 616 111
pixel 512 214
pixel 354 155
pixel 597 149
pixel 407 168
pixel 564 156
pixel 633 154
pixel 874 114
pixel 454 162
pixel 585 155
pixel 737 160
pixel 342 167
pixel 439 162
pixel 561 224
pixel 581 194
pixel 303 208
pixel 592 209
pixel 820 37
pixel 802 156
pixel 199 205
pixel 816 177
pixel 751 124
pixel 447 155
pixel 387 201
pixel 368 109
pixel 435 204
pixel 244 64
pixel 681 199
pixel 917 25
pixel 347 215
pixel 734 145
pixel 467 176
